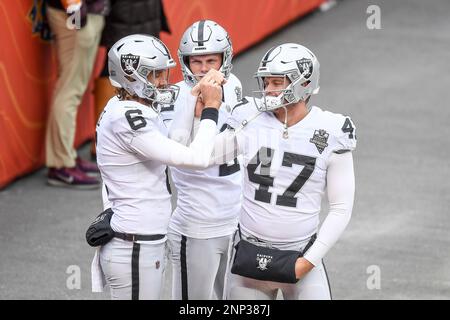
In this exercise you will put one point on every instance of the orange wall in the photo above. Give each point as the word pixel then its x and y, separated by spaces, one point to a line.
pixel 247 21
pixel 28 67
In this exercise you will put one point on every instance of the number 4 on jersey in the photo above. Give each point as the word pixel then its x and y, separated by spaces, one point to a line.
pixel 264 158
pixel 348 127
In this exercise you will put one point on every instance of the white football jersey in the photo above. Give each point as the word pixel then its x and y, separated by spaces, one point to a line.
pixel 285 178
pixel 208 200
pixel 136 187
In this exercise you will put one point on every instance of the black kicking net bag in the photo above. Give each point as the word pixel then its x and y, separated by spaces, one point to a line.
pixel 263 263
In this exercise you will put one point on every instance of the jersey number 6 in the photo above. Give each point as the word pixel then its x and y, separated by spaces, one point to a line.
pixel 135 119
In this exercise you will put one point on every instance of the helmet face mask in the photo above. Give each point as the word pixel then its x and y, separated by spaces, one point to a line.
pixel 300 69
pixel 204 37
pixel 158 90
pixel 276 98
pixel 135 61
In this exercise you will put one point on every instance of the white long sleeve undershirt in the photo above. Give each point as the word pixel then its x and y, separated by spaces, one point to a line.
pixel 155 146
pixel 340 190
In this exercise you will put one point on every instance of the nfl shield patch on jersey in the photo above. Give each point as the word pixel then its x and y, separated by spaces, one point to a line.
pixel 320 139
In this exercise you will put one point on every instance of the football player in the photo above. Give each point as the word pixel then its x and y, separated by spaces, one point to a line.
pixel 208 202
pixel 133 151
pixel 293 153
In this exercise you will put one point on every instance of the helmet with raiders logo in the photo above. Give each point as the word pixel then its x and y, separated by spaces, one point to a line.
pixel 202 38
pixel 295 63
pixel 130 62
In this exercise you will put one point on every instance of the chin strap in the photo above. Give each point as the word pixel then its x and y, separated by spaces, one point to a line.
pixel 285 131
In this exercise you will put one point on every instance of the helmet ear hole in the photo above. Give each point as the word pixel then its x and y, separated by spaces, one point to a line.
pixel 186 61
pixel 305 84
pixel 131 79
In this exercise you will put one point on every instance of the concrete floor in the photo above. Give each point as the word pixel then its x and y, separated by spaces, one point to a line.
pixel 394 82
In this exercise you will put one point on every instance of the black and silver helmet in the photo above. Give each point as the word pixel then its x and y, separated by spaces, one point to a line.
pixel 130 61
pixel 202 38
pixel 297 64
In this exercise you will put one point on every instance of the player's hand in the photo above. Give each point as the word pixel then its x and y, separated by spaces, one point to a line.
pixel 196 90
pixel 302 267
pixel 199 106
pixel 215 75
pixel 211 93
pixel 212 75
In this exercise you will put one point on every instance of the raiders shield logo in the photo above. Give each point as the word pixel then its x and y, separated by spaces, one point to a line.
pixel 263 261
pixel 129 63
pixel 306 67
pixel 320 139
